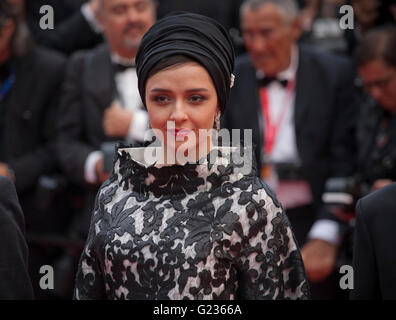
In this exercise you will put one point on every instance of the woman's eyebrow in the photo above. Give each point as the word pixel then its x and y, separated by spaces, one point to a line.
pixel 189 90
pixel 197 89
pixel 160 90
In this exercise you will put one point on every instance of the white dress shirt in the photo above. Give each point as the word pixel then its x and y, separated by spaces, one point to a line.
pixel 285 146
pixel 285 150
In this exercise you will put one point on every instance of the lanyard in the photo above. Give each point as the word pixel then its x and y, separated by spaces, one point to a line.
pixel 272 127
pixel 7 85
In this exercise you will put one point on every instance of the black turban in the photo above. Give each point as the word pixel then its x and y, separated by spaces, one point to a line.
pixel 198 37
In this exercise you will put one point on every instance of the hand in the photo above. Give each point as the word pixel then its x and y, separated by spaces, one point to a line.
pixel 116 121
pixel 5 171
pixel 378 184
pixel 101 175
pixel 319 258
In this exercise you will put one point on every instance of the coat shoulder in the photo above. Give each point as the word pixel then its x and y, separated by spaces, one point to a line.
pixel 378 205
pixel 49 59
pixel 7 188
pixel 327 61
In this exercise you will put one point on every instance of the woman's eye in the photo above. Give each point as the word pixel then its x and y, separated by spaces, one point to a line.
pixel 161 99
pixel 196 98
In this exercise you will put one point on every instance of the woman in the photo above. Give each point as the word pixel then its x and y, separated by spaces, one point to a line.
pixel 163 228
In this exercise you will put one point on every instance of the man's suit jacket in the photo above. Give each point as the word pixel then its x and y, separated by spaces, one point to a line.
pixel 374 255
pixel 14 279
pixel 31 109
pixel 324 114
pixel 89 88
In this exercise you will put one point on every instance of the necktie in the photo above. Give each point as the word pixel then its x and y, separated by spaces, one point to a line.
pixel 267 80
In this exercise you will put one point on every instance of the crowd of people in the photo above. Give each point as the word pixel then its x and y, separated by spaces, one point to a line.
pixel 320 101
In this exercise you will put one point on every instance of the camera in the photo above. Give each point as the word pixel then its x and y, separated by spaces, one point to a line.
pixel 341 195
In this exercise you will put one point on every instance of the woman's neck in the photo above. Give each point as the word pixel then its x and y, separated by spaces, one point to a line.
pixel 180 157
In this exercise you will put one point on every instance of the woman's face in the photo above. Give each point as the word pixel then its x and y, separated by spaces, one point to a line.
pixel 181 102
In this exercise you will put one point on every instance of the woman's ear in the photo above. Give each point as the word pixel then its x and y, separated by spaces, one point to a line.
pixel 217 118
pixel 218 112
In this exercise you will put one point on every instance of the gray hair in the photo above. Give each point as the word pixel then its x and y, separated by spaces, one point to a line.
pixel 289 8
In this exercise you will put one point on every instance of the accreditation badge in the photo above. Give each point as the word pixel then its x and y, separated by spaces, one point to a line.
pixel 266 171
pixel 269 176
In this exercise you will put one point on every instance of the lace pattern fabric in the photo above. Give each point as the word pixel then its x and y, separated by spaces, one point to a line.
pixel 197 231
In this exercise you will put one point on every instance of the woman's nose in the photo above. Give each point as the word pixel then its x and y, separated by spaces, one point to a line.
pixel 178 113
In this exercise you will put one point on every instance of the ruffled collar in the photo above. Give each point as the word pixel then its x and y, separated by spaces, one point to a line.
pixel 138 169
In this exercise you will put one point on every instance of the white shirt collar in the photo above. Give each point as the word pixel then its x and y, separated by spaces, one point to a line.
pixel 121 60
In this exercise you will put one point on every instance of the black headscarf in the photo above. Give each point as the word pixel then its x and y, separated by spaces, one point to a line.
pixel 195 36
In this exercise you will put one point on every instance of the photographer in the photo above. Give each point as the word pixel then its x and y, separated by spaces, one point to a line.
pixel 30 79
pixel 375 141
pixel 376 128
pixel 376 125
pixel 376 135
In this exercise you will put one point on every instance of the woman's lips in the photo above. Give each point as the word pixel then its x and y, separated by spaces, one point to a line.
pixel 179 132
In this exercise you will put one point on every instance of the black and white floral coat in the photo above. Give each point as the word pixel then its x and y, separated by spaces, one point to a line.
pixel 198 231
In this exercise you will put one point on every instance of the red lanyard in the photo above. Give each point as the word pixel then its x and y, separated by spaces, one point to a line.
pixel 271 128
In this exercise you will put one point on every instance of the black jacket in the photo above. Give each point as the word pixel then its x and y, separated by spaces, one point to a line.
pixel 89 88
pixel 374 256
pixel 14 279
pixel 30 112
pixel 376 138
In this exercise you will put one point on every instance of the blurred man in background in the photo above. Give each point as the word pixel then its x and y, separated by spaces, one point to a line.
pixel 301 107
pixel 100 100
pixel 376 132
pixel 30 79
